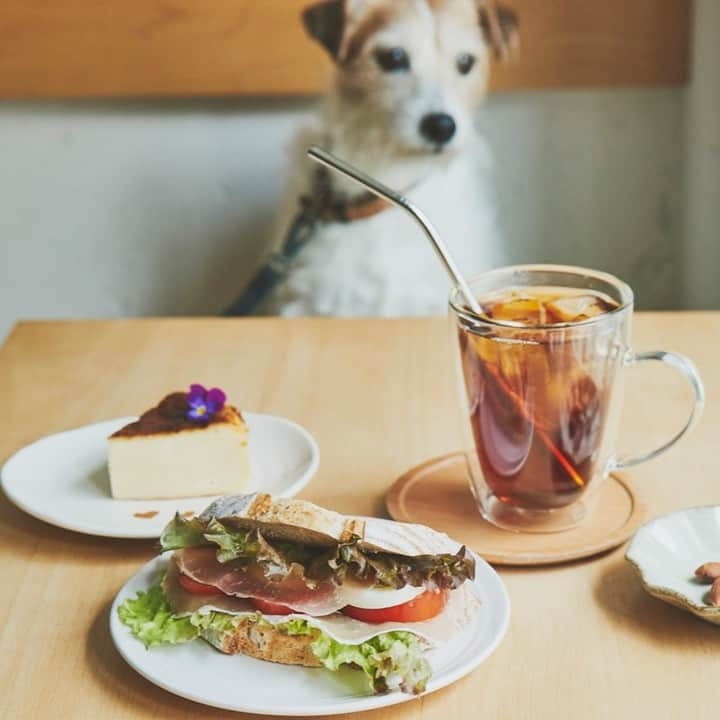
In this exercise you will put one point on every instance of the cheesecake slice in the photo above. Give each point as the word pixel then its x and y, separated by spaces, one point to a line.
pixel 167 454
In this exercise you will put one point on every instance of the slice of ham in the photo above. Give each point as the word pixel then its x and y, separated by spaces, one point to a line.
pixel 185 603
pixel 231 578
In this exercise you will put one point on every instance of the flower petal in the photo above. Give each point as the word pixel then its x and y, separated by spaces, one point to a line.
pixel 216 398
pixel 197 391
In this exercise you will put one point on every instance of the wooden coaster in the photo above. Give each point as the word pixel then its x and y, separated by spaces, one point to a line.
pixel 437 493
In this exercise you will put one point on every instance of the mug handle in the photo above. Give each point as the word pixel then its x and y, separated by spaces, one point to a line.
pixel 687 367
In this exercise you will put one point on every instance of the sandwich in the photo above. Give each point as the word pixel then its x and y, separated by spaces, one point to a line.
pixel 286 581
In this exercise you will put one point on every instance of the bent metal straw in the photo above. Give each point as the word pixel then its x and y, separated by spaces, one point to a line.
pixel 335 163
pixel 394 197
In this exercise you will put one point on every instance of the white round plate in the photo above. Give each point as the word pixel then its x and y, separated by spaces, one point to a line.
pixel 666 551
pixel 63 478
pixel 198 672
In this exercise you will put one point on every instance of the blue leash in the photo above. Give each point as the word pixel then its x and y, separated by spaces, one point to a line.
pixel 318 207
pixel 276 267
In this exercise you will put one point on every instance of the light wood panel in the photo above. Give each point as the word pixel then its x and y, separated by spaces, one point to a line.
pixel 85 48
pixel 584 640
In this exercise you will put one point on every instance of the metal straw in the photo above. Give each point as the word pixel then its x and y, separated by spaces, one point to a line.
pixel 331 161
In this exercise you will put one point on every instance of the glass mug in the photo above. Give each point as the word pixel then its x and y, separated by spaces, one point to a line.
pixel 540 376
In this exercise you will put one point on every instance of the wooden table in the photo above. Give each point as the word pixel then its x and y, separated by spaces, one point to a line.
pixel 585 641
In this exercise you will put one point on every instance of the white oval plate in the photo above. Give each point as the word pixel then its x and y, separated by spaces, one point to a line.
pixel 198 672
pixel 666 551
pixel 63 478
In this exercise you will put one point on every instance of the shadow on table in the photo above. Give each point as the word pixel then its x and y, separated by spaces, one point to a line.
pixel 128 691
pixel 621 596
pixel 21 533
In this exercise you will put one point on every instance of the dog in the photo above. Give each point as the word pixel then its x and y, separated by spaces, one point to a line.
pixel 409 76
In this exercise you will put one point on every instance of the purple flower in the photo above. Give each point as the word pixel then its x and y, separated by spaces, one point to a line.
pixel 204 403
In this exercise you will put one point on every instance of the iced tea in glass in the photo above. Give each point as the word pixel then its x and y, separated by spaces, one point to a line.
pixel 539 370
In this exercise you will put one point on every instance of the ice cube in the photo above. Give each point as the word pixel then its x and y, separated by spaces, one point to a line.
pixel 526 310
pixel 573 308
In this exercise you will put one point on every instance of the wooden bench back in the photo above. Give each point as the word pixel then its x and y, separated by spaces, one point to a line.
pixel 180 48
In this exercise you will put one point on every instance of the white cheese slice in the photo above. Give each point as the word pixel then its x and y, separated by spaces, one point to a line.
pixel 459 611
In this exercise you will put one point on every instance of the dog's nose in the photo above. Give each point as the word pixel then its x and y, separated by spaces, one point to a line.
pixel 438 128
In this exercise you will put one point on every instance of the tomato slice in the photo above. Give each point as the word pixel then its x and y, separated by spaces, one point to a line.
pixel 193 586
pixel 423 607
pixel 271 608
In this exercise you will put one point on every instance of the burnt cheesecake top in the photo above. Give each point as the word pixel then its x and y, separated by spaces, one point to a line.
pixel 170 415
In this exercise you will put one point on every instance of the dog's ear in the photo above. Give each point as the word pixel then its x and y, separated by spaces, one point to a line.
pixel 338 24
pixel 500 27
pixel 325 22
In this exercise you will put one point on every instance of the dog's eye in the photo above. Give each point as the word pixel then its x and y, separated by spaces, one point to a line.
pixel 392 59
pixel 464 63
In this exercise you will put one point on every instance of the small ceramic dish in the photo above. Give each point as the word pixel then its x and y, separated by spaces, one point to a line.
pixel 666 551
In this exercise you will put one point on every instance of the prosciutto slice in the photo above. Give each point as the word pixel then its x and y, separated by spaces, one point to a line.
pixel 184 603
pixel 232 578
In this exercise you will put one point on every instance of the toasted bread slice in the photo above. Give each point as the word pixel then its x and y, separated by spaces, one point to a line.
pixel 285 519
pixel 303 522
pixel 265 642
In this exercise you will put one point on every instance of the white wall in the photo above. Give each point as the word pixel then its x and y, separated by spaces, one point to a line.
pixel 595 179
pixel 132 209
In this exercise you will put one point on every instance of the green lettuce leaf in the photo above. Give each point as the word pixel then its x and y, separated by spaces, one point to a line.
pixel 180 533
pixel 232 544
pixel 213 625
pixel 398 655
pixel 276 559
pixel 392 656
pixel 152 621
pixel 444 571
pixel 297 626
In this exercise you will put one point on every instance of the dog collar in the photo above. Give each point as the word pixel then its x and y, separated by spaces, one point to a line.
pixel 324 206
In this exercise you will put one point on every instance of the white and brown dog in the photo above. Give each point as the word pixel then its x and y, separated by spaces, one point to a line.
pixel 409 76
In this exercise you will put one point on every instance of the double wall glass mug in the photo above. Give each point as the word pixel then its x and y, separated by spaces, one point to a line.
pixel 541 372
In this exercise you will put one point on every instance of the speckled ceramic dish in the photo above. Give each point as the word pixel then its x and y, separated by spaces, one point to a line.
pixel 666 551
